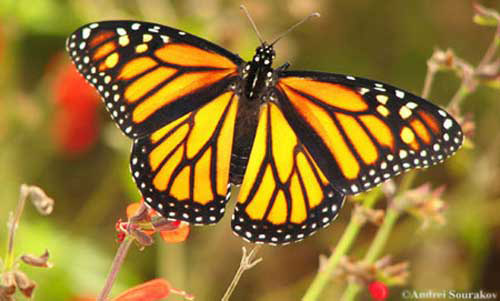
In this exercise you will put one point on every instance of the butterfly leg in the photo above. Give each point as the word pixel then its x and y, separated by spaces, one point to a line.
pixel 283 67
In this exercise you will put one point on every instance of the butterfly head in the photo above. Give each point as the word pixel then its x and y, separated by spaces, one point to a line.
pixel 264 55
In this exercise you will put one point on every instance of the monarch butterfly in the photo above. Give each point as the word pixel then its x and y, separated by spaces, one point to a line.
pixel 297 142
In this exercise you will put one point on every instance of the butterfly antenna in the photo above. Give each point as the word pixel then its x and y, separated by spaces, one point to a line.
pixel 244 9
pixel 315 14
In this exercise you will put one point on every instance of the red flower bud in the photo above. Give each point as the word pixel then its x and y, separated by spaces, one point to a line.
pixel 378 290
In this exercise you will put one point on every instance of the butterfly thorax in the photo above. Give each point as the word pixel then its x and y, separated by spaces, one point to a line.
pixel 258 72
pixel 256 76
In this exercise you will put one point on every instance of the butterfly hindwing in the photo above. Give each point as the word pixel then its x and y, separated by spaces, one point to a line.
pixel 182 169
pixel 149 74
pixel 362 132
pixel 284 197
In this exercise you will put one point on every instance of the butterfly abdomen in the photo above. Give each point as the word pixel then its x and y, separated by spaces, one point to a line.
pixel 244 134
pixel 239 163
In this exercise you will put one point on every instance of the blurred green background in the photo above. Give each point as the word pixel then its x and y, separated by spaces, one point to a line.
pixel 74 152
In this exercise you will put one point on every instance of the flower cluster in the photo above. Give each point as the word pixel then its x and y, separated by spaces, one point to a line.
pixel 384 269
pixel 425 203
pixel 143 222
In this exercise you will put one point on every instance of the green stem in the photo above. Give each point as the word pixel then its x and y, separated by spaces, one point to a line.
pixel 382 236
pixel 407 180
pixel 429 79
pixel 375 249
pixel 461 93
pixel 323 276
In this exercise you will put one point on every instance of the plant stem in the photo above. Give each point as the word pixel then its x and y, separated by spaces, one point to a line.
pixel 115 267
pixel 323 276
pixel 429 79
pixel 461 93
pixel 492 49
pixel 375 249
pixel 247 262
pixel 13 223
pixel 407 180
pixel 382 235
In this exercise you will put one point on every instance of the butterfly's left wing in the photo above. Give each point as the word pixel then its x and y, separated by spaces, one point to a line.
pixel 284 196
pixel 361 132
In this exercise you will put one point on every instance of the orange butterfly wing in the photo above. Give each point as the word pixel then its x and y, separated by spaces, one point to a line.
pixel 361 132
pixel 182 169
pixel 148 74
pixel 173 93
pixel 284 196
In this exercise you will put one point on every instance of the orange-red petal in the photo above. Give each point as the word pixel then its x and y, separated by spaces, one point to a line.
pixel 132 209
pixel 178 235
pixel 156 289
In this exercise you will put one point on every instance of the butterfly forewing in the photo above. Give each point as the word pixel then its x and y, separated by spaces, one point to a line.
pixel 149 74
pixel 362 132
pixel 284 196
